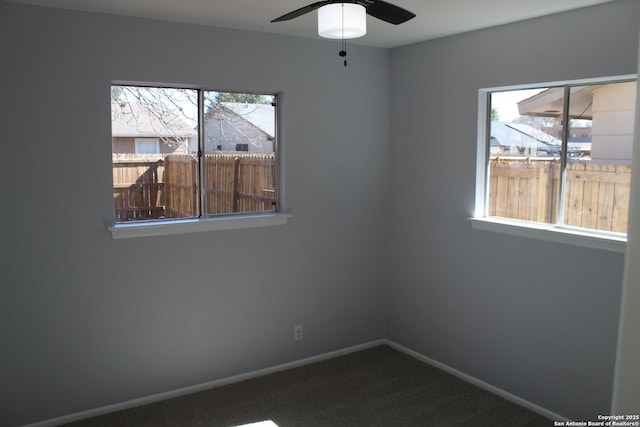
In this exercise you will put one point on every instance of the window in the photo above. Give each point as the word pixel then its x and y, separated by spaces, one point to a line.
pixel 557 156
pixel 188 154
pixel 147 146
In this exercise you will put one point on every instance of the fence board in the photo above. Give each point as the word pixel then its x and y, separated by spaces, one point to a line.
pixel 605 200
pixel 181 186
pixel 574 195
pixel 621 200
pixel 502 193
pixel 586 203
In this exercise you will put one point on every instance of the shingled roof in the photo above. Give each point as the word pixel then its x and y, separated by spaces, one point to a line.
pixel 131 119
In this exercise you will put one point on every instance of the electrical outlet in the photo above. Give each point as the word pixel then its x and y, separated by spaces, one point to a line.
pixel 298 333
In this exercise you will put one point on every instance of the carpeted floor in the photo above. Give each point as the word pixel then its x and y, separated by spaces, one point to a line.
pixel 374 387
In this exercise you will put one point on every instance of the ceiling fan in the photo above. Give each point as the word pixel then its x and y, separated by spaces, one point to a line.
pixel 382 10
pixel 346 19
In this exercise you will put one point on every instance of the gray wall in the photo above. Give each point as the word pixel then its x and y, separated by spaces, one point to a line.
pixel 536 319
pixel 87 321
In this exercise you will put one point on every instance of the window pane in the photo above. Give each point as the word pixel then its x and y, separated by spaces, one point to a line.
pixel 147 146
pixel 154 169
pixel 599 168
pixel 525 144
pixel 239 161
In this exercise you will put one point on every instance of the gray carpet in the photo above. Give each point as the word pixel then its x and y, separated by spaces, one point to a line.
pixel 374 387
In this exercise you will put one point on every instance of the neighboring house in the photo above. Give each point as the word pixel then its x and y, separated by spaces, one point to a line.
pixel 610 108
pixel 239 127
pixel 517 139
pixel 148 129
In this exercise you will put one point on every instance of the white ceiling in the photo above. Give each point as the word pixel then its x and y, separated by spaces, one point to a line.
pixel 435 18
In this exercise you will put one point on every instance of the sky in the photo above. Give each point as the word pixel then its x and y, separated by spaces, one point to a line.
pixel 507 102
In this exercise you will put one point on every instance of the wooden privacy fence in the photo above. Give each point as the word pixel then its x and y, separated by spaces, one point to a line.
pixel 240 182
pixel 138 189
pixel 152 188
pixel 595 196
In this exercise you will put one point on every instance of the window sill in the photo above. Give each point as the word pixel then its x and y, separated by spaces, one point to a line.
pixel 198 225
pixel 609 242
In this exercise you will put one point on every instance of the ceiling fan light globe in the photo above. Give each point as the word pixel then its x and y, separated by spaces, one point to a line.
pixel 332 26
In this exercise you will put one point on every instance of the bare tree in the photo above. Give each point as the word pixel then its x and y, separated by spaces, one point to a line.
pixel 170 114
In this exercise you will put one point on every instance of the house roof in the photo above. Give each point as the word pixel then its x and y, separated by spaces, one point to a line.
pixel 549 103
pixel 259 115
pixel 132 119
pixel 522 135
pixel 531 132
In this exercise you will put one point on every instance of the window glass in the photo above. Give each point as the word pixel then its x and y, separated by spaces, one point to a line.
pixel 239 161
pixel 159 160
pixel 147 146
pixel 562 155
pixel 598 177
pixel 524 161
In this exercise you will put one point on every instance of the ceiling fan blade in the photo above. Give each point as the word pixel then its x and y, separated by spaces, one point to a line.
pixel 302 11
pixel 388 12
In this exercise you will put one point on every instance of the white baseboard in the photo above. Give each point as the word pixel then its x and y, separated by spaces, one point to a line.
pixel 295 364
pixel 479 383
pixel 200 387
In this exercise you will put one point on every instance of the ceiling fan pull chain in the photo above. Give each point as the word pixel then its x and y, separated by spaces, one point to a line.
pixel 344 41
pixel 343 52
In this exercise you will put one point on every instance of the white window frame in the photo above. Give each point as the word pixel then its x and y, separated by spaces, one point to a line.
pixel 209 223
pixel 549 232
pixel 140 141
